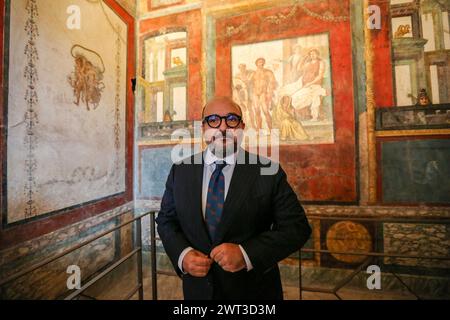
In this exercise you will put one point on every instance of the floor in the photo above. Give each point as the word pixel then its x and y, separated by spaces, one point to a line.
pixel 117 286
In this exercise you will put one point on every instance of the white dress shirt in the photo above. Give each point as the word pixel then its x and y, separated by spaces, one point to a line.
pixel 208 168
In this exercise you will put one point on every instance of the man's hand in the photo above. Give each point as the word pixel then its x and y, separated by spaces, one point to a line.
pixel 196 263
pixel 229 257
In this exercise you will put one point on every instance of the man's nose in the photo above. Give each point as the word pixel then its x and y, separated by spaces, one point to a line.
pixel 223 126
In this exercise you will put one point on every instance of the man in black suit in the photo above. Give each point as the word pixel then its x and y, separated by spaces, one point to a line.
pixel 225 224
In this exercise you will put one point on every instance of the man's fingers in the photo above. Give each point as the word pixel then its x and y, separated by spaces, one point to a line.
pixel 197 264
pixel 223 261
pixel 199 269
pixel 200 261
pixel 215 251
pixel 198 254
pixel 199 258
pixel 219 257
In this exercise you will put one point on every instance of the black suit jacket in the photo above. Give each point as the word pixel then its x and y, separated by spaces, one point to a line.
pixel 261 213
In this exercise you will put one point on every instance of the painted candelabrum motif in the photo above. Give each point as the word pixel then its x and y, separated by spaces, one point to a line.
pixel 31 116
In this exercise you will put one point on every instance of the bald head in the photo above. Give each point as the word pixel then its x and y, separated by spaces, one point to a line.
pixel 221 106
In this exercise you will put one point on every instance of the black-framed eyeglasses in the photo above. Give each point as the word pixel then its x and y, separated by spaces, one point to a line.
pixel 214 121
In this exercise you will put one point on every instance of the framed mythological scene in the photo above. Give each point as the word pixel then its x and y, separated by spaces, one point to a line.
pixel 67 101
pixel 286 85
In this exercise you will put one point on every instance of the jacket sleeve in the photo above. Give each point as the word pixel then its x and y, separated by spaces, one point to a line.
pixel 169 229
pixel 289 232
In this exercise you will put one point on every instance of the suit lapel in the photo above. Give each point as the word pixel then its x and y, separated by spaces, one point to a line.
pixel 196 207
pixel 241 181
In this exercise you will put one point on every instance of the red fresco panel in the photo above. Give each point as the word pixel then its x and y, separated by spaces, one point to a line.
pixel 318 173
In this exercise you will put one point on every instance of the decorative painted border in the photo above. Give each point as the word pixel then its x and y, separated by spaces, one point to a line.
pixel 31 117
pixel 427 110
pixel 117 101
pixel 348 212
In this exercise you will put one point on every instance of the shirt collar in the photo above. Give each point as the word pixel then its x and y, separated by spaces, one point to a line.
pixel 211 158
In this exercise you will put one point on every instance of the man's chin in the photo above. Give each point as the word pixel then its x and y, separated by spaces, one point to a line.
pixel 226 148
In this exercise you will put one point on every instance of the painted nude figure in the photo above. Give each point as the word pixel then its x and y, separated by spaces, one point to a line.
pixel 243 92
pixel 264 85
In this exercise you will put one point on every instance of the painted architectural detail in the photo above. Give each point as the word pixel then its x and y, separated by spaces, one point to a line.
pixel 421 55
pixel 165 78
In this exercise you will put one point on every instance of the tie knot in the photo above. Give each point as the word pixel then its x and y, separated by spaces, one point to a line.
pixel 220 165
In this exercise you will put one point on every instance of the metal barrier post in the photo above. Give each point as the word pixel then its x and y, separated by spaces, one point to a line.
pixel 300 273
pixel 139 258
pixel 153 256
